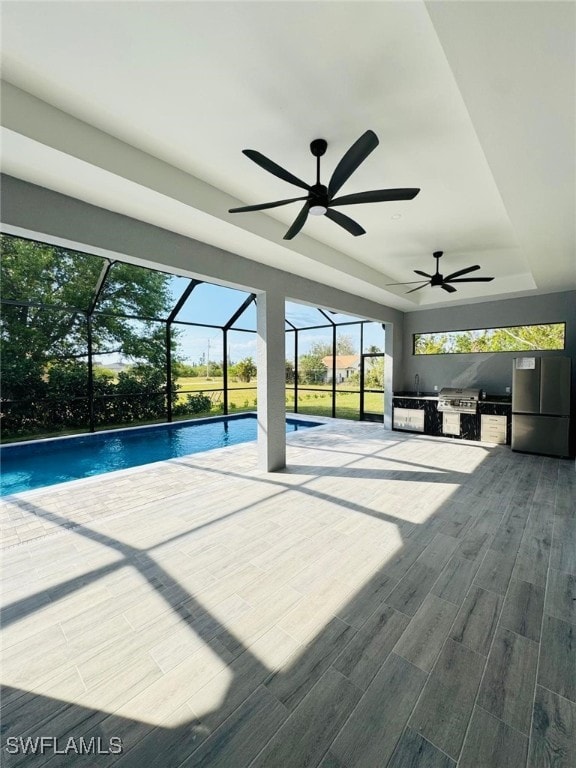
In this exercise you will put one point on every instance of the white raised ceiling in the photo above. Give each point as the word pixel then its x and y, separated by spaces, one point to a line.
pixel 144 108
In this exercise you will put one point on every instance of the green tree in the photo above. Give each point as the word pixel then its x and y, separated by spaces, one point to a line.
pixel 215 370
pixel 430 343
pixel 289 372
pixel 244 370
pixel 469 341
pixel 194 404
pixel 312 369
pixel 526 338
pixel 180 369
pixel 345 345
pixel 45 337
pixel 65 280
pixel 374 375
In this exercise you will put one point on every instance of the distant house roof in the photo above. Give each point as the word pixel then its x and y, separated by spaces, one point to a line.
pixel 112 366
pixel 342 361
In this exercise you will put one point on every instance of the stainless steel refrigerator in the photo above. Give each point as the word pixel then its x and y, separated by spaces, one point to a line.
pixel 541 405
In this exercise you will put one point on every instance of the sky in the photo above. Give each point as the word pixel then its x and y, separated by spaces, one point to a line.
pixel 216 304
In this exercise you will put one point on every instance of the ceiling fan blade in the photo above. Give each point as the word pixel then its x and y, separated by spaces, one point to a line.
pixel 462 272
pixel 472 280
pixel 346 222
pixel 298 223
pixel 356 155
pixel 448 288
pixel 376 196
pixel 417 289
pixel 412 282
pixel 419 272
pixel 274 168
pixel 262 206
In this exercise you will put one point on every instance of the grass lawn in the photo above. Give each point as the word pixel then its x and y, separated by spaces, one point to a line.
pixel 241 396
pixel 312 400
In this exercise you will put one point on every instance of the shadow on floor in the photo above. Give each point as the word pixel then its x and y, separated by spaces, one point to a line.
pixel 347 674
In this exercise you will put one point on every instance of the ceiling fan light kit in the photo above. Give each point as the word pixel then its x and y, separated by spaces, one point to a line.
pixel 445 282
pixel 321 199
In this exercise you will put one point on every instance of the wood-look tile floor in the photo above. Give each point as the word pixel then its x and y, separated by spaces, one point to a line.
pixel 388 601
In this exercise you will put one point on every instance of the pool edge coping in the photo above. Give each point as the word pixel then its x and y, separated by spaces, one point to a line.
pixel 140 467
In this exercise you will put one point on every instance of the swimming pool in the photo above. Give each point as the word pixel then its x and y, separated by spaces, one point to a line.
pixel 46 462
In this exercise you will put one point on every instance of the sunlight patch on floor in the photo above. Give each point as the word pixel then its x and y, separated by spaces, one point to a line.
pixel 221 577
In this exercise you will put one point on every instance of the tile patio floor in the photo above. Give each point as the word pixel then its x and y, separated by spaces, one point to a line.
pixel 389 600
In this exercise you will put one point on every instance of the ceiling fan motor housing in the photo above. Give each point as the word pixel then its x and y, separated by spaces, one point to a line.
pixel 318 147
pixel 437 279
pixel 319 195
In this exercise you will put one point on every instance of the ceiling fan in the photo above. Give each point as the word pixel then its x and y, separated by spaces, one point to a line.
pixel 445 282
pixel 320 199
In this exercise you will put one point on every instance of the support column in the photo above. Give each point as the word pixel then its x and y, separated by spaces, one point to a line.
pixel 295 370
pixel 392 367
pixel 333 371
pixel 91 419
pixel 168 371
pixel 225 369
pixel 271 381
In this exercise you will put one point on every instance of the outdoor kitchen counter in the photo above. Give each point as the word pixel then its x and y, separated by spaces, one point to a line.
pixel 432 421
pixel 416 396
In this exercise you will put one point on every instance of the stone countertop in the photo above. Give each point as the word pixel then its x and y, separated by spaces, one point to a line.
pixel 491 399
pixel 416 396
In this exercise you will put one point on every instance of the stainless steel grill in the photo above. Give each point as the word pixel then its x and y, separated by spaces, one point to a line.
pixel 454 400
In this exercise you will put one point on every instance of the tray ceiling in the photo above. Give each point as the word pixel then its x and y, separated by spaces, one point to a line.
pixel 144 108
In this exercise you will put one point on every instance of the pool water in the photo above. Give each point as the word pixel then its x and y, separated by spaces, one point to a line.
pixel 46 462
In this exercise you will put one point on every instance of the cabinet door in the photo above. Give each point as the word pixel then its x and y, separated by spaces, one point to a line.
pixel 451 424
pixel 492 428
pixel 411 419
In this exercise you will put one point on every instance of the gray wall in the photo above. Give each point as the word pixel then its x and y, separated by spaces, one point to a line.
pixel 492 372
